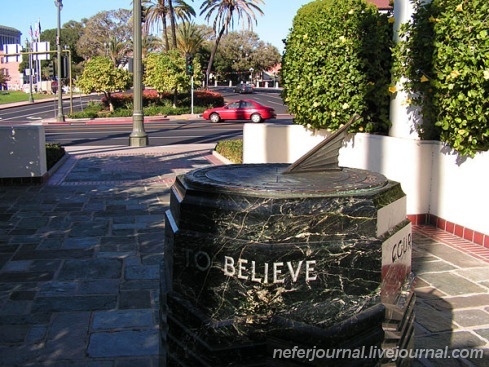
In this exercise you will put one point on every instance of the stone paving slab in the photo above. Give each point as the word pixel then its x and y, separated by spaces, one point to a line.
pixel 451 299
pixel 71 255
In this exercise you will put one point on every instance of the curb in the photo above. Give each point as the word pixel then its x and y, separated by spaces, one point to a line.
pixel 221 158
pixel 56 166
pixel 120 120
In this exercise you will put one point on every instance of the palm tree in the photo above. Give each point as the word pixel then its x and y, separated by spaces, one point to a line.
pixel 151 44
pixel 189 38
pixel 116 50
pixel 162 10
pixel 224 19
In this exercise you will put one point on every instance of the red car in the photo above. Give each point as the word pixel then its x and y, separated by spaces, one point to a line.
pixel 246 109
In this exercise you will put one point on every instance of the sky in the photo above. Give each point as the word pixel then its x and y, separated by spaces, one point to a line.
pixel 272 27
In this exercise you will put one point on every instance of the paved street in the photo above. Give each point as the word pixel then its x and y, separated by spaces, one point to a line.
pixel 79 265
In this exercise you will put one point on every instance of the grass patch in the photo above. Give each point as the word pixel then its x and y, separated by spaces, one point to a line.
pixel 19 96
pixel 231 149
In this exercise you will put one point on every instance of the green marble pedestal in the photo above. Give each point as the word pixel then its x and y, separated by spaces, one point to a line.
pixel 263 267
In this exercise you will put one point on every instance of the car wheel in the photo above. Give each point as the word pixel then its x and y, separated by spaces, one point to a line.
pixel 256 118
pixel 215 117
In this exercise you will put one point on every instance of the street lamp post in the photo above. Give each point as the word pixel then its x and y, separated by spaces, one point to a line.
pixel 60 116
pixel 138 137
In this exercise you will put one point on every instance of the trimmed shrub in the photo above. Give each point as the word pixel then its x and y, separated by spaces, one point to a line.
pixel 231 149
pixel 337 63
pixel 54 152
pixel 152 98
pixel 445 60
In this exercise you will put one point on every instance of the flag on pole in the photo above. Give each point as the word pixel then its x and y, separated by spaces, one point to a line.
pixel 31 33
pixel 37 33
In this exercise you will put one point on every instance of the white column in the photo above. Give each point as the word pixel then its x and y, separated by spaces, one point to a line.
pixel 402 115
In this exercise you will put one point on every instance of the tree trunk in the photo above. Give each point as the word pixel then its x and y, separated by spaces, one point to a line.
pixel 165 34
pixel 213 53
pixel 218 39
pixel 109 101
pixel 175 98
pixel 172 23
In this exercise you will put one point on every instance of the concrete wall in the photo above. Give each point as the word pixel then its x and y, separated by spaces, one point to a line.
pixel 434 179
pixel 22 151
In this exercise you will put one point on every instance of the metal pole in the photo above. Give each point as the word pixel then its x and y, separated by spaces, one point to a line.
pixel 60 116
pixel 192 94
pixel 31 97
pixel 138 137
pixel 71 81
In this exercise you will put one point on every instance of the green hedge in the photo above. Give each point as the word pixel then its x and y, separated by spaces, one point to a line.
pixel 54 152
pixel 445 59
pixel 337 63
pixel 152 97
pixel 231 149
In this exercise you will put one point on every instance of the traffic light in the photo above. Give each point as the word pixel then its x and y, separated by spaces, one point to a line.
pixel 51 69
pixel 189 66
pixel 143 14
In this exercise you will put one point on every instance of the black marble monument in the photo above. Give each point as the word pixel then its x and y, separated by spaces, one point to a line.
pixel 287 265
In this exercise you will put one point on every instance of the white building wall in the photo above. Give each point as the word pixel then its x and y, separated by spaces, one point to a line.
pixel 460 191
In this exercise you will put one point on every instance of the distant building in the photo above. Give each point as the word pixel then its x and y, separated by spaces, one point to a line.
pixel 9 35
pixel 383 5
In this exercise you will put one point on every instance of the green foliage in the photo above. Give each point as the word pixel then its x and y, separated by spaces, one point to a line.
pixel 91 111
pixel 100 75
pixel 12 96
pixel 240 51
pixel 106 33
pixel 445 59
pixel 165 71
pixel 155 104
pixel 152 98
pixel 231 149
pixel 203 98
pixel 3 79
pixel 54 152
pixel 70 34
pixel 337 63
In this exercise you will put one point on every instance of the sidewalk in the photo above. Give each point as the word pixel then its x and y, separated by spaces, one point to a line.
pixel 79 265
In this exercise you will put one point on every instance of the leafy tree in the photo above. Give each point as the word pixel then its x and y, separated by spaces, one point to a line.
pixel 70 34
pixel 337 63
pixel 225 10
pixel 111 29
pixel 101 76
pixel 4 78
pixel 165 72
pixel 240 51
pixel 444 58
pixel 151 44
